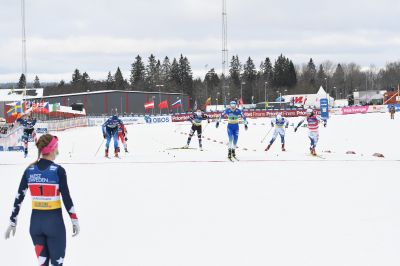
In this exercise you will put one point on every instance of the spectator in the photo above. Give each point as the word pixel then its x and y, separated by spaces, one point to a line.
pixel 392 111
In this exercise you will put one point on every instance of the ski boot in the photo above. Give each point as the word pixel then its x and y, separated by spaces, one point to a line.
pixel 283 147
pixel 106 153
pixel 267 148
pixel 126 150
pixel 233 153
pixel 116 153
pixel 312 151
pixel 229 154
pixel 201 148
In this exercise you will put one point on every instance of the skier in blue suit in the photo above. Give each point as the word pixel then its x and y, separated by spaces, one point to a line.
pixel 233 114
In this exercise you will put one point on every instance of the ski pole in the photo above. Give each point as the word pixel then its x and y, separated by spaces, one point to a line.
pixel 266 135
pixel 101 144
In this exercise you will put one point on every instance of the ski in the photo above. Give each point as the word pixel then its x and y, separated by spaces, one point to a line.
pixel 317 156
pixel 180 148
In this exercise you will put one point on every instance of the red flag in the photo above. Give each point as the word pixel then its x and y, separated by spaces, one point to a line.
pixel 163 105
pixel 241 101
pixel 149 105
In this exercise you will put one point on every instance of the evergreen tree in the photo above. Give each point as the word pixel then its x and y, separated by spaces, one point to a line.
pixel 281 70
pixel 292 76
pixel 85 82
pixel 151 73
pixel 311 73
pixel 110 81
pixel 266 71
pixel 235 71
pixel 249 77
pixel 76 77
pixel 36 82
pixel 119 80
pixel 175 81
pixel 212 83
pixel 321 75
pixel 339 80
pixel 62 83
pixel 22 81
pixel 186 76
pixel 165 74
pixel 137 74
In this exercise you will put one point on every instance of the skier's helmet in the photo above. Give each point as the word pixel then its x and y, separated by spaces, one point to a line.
pixel 309 111
pixel 279 117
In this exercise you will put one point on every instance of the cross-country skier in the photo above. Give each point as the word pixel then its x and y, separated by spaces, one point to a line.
pixel 280 123
pixel 196 120
pixel 313 125
pixel 123 136
pixel 110 130
pixel 233 114
pixel 28 125
pixel 46 181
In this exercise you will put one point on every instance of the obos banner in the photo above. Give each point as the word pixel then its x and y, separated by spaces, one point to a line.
pixel 158 119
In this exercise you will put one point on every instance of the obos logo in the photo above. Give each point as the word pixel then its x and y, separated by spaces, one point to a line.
pixel 158 119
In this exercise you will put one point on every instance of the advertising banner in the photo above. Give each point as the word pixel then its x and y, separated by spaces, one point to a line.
pixel 354 110
pixel 324 108
pixel 158 119
pixel 250 114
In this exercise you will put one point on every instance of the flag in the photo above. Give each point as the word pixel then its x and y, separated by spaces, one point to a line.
pixel 195 105
pixel 252 99
pixel 42 107
pixel 15 108
pixel 55 107
pixel 18 107
pixel 163 105
pixel 148 105
pixel 177 104
pixel 241 101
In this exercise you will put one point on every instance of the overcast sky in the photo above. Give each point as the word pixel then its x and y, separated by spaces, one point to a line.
pixel 97 36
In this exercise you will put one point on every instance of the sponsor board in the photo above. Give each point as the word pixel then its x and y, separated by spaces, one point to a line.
pixel 396 107
pixel 158 119
pixel 1 148
pixel 15 148
pixel 40 130
pixel 250 114
pixel 354 110
pixel 132 120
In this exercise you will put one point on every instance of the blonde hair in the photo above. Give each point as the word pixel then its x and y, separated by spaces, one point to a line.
pixel 42 142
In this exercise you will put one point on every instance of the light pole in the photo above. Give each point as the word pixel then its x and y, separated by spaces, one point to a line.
pixel 159 93
pixel 265 94
pixel 335 91
pixel 217 101
pixel 241 90
pixel 153 97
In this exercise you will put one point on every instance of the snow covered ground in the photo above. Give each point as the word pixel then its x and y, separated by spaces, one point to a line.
pixel 157 206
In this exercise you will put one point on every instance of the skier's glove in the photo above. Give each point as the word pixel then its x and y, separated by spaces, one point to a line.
pixel 217 125
pixel 272 124
pixel 104 135
pixel 246 127
pixel 208 121
pixel 76 229
pixel 126 138
pixel 10 230
pixel 286 126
